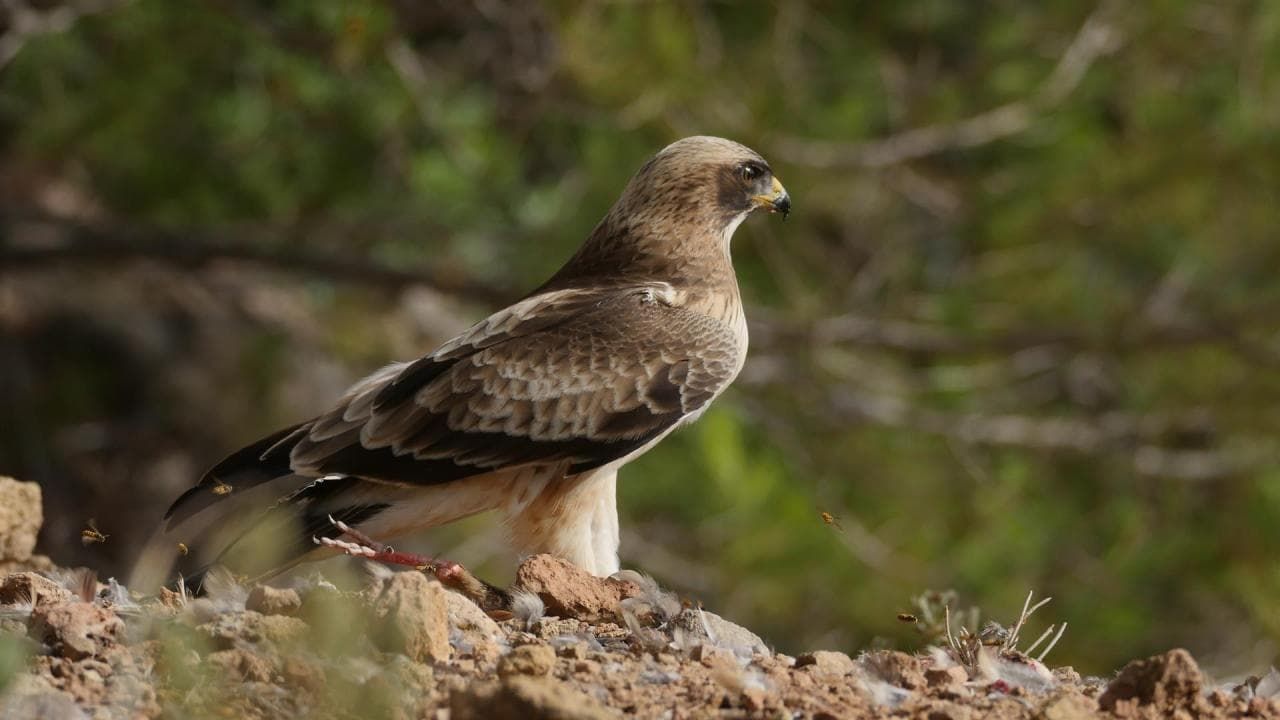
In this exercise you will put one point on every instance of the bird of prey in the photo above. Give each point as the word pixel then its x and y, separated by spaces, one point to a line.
pixel 530 412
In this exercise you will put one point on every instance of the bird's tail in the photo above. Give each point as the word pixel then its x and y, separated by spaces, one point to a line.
pixel 253 515
pixel 253 529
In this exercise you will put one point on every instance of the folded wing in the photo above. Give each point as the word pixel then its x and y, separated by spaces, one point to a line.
pixel 577 378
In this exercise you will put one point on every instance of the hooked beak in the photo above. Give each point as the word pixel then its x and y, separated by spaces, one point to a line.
pixel 777 201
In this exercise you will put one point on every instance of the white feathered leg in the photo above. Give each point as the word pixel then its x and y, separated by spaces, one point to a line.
pixel 573 518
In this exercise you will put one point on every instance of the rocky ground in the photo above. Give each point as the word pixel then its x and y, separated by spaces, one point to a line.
pixel 573 646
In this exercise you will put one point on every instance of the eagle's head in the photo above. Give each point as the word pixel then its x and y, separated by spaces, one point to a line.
pixel 676 216
pixel 708 182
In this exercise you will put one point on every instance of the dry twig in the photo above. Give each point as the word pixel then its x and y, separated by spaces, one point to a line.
pixel 1095 38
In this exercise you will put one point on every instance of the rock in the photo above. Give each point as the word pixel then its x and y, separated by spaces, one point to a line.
pixel 948 710
pixel 710 627
pixel 41 706
pixel 338 620
pixel 399 690
pixel 524 698
pixel 233 629
pixel 1070 705
pixel 753 699
pixel 21 515
pixel 1067 675
pixel 1268 686
pixel 734 637
pixel 471 631
pixel 1166 681
pixel 198 611
pixel 131 694
pixel 303 673
pixel 76 630
pixel 826 662
pixel 896 668
pixel 273 601
pixel 569 591
pixel 533 660
pixel 946 677
pixel 241 666
pixel 38 563
pixel 411 617
pixel 714 656
pixel 573 650
pixel 29 587
pixel 551 628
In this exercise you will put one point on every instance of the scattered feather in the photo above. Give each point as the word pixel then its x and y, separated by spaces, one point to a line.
pixel 20 609
pixel 527 608
pixel 1014 669
pixel 224 590
pixel 376 573
pixel 116 596
pixel 882 693
pixel 80 582
pixel 659 677
pixel 1268 686
pixel 940 658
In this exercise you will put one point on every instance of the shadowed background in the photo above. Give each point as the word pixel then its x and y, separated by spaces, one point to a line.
pixel 1019 332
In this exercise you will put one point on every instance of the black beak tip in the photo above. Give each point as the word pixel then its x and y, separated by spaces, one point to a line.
pixel 783 205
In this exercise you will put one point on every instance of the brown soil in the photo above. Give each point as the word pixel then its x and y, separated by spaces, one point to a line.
pixel 404 646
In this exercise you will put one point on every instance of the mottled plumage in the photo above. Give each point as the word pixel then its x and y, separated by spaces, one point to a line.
pixel 531 411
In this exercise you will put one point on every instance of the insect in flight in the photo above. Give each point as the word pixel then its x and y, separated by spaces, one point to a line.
pixel 92 534
pixel 832 520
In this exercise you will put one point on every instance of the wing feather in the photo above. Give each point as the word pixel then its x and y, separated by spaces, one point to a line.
pixel 581 378
pixel 577 377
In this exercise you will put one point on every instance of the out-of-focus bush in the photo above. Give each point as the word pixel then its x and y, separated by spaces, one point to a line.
pixel 1018 333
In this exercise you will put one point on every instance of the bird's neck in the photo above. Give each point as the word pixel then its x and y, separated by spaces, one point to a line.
pixel 695 257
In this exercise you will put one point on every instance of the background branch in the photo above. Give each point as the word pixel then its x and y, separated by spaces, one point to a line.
pixel 25 22
pixel 1095 38
pixel 27 243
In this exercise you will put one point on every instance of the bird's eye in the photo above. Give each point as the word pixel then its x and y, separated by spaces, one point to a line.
pixel 751 171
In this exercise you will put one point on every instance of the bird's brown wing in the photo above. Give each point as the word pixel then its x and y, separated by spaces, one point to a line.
pixel 574 377
pixel 616 373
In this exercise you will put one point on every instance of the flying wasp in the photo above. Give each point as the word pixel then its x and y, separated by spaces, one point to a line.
pixel 832 520
pixel 92 534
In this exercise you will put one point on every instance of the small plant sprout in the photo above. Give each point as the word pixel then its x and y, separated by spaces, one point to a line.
pixel 1056 637
pixel 1027 610
pixel 931 612
pixel 967 646
pixel 182 590
pixel 964 644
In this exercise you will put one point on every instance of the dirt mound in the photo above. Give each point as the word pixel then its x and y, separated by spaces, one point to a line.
pixel 575 646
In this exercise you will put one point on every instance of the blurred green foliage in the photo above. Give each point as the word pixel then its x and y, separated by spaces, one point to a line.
pixel 14 654
pixel 1019 333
